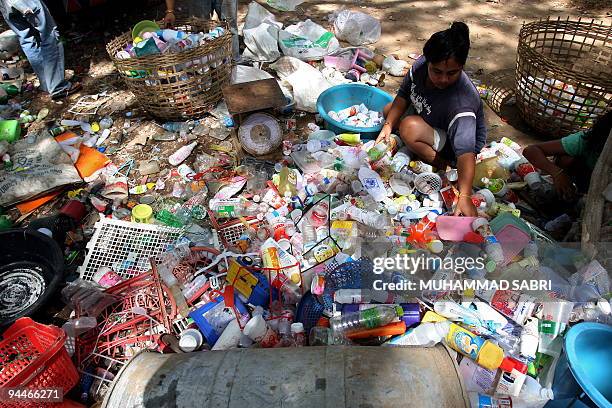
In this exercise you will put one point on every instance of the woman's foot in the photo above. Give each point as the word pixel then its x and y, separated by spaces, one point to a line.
pixel 74 87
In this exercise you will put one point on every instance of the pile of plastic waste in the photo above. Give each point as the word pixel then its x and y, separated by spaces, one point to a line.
pixel 157 41
pixel 358 116
pixel 317 249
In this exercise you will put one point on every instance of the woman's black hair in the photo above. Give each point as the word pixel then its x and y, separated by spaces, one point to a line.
pixel 596 136
pixel 451 43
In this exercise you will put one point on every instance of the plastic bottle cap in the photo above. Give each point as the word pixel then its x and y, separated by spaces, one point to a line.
pixel 478 223
pixel 436 246
pixel 399 311
pixel 142 213
pixel 297 327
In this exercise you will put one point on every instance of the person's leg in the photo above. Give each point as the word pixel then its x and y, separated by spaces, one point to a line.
pixel 40 42
pixel 228 10
pixel 200 8
pixel 423 140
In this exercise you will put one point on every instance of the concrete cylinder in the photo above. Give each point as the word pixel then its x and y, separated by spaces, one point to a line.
pixel 305 377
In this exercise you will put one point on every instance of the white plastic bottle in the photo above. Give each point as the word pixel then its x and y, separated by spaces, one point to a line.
pixel 532 391
pixel 181 154
pixel 485 401
pixel 369 218
pixel 530 338
pixel 318 145
pixel 424 335
pixel 372 183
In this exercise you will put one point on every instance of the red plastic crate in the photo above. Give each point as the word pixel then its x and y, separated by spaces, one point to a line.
pixel 33 355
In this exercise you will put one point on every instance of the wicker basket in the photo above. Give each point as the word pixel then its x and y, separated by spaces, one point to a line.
pixel 179 85
pixel 563 74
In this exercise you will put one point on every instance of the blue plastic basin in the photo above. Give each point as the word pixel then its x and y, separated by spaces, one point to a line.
pixel 588 349
pixel 342 96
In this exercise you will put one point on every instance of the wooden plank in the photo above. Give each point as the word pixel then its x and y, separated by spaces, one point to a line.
pixel 253 96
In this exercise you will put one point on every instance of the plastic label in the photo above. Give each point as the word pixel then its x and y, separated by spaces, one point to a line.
pixel 485 401
pixel 464 342
pixel 549 327
pixel 371 318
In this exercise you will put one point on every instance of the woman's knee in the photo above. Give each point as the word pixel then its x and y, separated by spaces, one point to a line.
pixel 414 129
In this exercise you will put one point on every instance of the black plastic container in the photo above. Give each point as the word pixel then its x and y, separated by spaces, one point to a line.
pixel 31 269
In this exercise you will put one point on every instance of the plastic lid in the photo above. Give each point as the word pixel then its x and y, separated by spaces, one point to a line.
pixel 297 327
pixel 490 356
pixel 142 211
pixel 436 246
pixel 479 222
pixel 399 311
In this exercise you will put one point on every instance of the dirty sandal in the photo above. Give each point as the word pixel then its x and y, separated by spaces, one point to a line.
pixel 74 87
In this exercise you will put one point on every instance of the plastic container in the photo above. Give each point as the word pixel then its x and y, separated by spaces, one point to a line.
pixel 506 218
pixel 10 130
pixel 512 240
pixel 341 96
pixel 585 365
pixel 42 362
pixel 453 228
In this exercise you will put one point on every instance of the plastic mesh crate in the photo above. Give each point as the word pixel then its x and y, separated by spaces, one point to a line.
pixel 32 355
pixel 126 247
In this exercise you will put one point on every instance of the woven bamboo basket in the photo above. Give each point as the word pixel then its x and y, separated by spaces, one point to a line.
pixel 178 85
pixel 563 74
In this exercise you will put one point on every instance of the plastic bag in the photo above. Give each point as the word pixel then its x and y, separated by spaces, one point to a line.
pixel 355 27
pixel 87 298
pixel 284 5
pixel 305 80
pixel 257 14
pixel 307 40
pixel 261 43
pixel 244 73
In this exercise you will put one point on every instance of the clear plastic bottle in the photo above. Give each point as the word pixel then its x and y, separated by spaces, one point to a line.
pixel 532 391
pixel 592 312
pixel 424 335
pixel 420 167
pixel 365 319
pixel 298 335
pixel 492 246
pixel 318 145
pixel 369 218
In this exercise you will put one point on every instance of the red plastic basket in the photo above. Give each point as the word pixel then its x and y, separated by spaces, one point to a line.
pixel 33 355
pixel 229 231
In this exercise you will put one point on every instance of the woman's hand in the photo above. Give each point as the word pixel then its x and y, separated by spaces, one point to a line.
pixel 465 207
pixel 385 134
pixel 564 187
pixel 169 19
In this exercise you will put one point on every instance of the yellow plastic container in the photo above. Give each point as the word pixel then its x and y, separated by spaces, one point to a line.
pixel 485 353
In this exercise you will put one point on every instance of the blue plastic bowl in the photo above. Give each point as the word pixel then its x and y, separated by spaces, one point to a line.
pixel 588 348
pixel 342 96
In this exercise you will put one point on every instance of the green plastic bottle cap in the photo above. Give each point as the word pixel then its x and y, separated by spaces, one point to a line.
pixel 399 311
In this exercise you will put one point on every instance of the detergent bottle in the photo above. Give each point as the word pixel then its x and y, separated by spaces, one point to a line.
pixel 483 352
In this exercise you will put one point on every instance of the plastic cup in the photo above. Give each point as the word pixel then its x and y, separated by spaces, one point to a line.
pixel 191 340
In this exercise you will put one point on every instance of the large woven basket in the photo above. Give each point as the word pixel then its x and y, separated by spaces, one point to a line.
pixel 563 74
pixel 179 85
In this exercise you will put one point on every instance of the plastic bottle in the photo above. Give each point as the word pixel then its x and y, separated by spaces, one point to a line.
pixel 420 167
pixel 320 336
pixel 400 160
pixel 528 173
pixel 592 312
pixel 317 145
pixel 486 401
pixel 365 319
pixel 298 334
pixel 369 218
pixel 532 391
pixel 378 151
pixel 483 352
pixel 512 378
pixel 181 154
pixel 424 335
pixel 287 182
pixel 483 199
pixel 195 285
pixel 372 183
pixel 555 316
pixel 530 338
pixel 492 246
